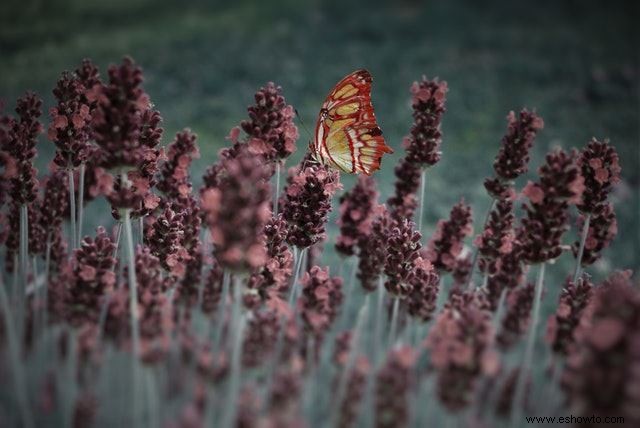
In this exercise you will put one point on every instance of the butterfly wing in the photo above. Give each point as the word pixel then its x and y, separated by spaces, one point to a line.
pixel 347 134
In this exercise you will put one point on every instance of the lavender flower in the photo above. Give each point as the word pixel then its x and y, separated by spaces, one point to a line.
pixel 600 167
pixel 517 315
pixel 510 273
pixel 497 237
pixel 21 146
pixel 561 327
pixel 600 376
pixel 393 385
pixel 260 337
pixel 403 249
pixel 55 203
pixel 603 227
pixel 93 276
pixel 355 391
pixel 460 345
pixel 403 203
pixel 236 212
pixel 272 278
pixel 423 142
pixel 513 156
pixel 320 300
pixel 70 127
pixel 307 202
pixel 357 209
pixel 164 237
pixel 270 127
pixel 446 243
pixel 174 172
pixel 373 250
pixel 421 302
pixel 547 211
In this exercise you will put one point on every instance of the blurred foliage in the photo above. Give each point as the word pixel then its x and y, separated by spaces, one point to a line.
pixel 575 62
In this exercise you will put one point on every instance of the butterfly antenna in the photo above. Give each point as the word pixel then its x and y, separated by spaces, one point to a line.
pixel 303 125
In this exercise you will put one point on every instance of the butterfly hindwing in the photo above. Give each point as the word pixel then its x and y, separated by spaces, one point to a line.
pixel 347 134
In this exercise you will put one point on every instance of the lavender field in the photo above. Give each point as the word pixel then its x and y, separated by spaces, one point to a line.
pixel 220 275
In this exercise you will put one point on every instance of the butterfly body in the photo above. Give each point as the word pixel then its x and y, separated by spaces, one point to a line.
pixel 347 136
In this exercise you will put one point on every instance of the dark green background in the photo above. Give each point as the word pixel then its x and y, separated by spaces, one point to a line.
pixel 575 62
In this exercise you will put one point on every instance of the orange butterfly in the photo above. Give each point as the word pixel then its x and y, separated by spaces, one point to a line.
pixel 347 135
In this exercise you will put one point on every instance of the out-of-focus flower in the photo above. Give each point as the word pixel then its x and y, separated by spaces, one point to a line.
pixel 394 383
pixel 600 167
pixel 460 343
pixel 357 210
pixel 462 269
pixel 546 218
pixel 355 390
pixel 561 326
pixel 373 250
pixel 447 242
pixel 320 300
pixel 510 273
pixel 236 212
pixel 306 202
pixel 54 203
pixel 403 249
pixel 272 278
pixel 421 302
pixel 603 227
pixel 260 337
pixel 601 371
pixel 497 237
pixel 270 128
pixel 517 314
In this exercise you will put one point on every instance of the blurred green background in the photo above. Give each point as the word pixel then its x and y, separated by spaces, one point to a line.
pixel 575 62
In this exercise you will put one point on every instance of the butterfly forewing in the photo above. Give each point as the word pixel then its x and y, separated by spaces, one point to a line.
pixel 347 134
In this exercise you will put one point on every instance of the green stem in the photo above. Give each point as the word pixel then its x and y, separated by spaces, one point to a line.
pixel 519 395
pixel 237 333
pixel 377 344
pixel 423 179
pixel 72 209
pixel 294 288
pixel 583 240
pixel 24 268
pixel 394 321
pixel 80 204
pixel 276 194
pixel 133 309
pixel 15 360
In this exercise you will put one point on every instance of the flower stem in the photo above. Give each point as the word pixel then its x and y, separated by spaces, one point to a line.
pixel 276 194
pixel 24 268
pixel 353 353
pixel 583 240
pixel 294 289
pixel 47 269
pixel 521 382
pixel 237 333
pixel 394 321
pixel 13 344
pixel 377 340
pixel 474 260
pixel 226 279
pixel 423 179
pixel 72 209
pixel 133 309
pixel 80 204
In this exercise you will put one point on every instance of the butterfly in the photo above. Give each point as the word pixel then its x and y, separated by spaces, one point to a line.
pixel 347 136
